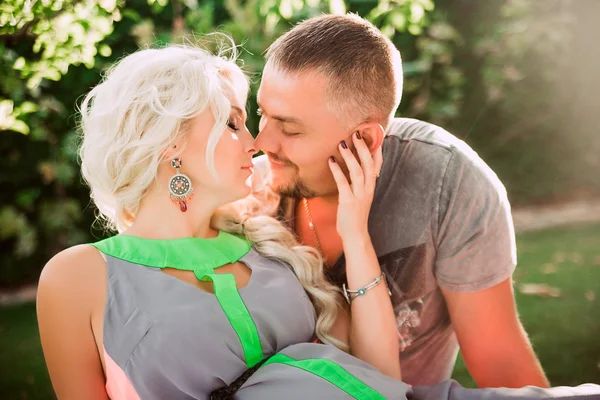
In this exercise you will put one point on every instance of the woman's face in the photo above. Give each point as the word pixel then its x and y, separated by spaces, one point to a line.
pixel 232 156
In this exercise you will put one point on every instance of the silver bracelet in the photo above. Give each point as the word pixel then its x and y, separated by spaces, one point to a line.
pixel 352 294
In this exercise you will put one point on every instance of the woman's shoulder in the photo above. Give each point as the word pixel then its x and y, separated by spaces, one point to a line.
pixel 75 270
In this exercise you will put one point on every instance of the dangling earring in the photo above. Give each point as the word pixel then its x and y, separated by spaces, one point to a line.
pixel 180 186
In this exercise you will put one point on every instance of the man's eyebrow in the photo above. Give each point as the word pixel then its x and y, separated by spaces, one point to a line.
pixel 289 120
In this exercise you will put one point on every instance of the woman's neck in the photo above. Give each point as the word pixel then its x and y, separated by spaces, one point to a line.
pixel 159 218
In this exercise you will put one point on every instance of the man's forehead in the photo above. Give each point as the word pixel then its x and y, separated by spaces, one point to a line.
pixel 276 76
pixel 290 95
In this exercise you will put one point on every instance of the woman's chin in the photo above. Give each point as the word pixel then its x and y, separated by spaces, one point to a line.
pixel 242 191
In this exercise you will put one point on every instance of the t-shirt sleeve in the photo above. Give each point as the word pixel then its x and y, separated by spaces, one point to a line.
pixel 475 240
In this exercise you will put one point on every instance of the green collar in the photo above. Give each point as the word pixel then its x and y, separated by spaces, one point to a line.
pixel 191 254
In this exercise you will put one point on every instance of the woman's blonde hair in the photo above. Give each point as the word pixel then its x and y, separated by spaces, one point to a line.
pixel 141 108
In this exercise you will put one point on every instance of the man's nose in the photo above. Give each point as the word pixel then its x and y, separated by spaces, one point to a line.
pixel 267 139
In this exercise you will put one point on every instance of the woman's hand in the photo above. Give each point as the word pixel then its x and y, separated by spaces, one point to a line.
pixel 373 333
pixel 355 198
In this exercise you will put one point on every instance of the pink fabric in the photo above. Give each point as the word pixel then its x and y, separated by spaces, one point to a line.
pixel 118 385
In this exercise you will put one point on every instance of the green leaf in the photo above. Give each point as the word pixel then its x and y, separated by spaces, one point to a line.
pixel 19 126
pixel 285 9
pixel 415 30
pixel 105 50
pixel 398 20
pixel 19 63
pixel 428 5
pixel 53 74
pixel 416 13
pixel 34 81
pixel 6 109
pixel 271 21
pixel 132 15
pixel 388 30
pixel 108 5
pixel 27 107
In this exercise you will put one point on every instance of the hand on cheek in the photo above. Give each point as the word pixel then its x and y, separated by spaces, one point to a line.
pixel 355 197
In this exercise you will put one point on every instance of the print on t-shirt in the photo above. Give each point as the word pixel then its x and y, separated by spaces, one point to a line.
pixel 406 273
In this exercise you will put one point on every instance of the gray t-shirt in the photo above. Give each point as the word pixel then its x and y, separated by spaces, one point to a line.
pixel 440 219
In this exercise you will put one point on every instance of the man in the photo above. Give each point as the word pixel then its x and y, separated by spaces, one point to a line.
pixel 440 220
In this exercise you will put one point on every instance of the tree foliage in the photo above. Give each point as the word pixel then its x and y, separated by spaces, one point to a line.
pixel 54 51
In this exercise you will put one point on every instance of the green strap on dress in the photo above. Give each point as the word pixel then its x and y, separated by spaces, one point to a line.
pixel 331 372
pixel 240 319
pixel 202 256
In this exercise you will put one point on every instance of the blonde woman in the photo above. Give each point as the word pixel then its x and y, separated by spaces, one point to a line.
pixel 192 293
pixel 197 297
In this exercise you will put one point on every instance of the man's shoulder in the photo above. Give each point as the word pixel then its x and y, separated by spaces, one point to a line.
pixel 409 129
pixel 435 143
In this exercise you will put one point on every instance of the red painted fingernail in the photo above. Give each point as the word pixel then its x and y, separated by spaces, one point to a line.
pixel 332 159
pixel 358 135
pixel 344 145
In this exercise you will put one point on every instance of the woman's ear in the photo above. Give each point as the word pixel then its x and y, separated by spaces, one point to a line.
pixel 373 134
pixel 172 151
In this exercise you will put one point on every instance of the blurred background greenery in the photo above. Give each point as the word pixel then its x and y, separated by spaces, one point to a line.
pixel 517 79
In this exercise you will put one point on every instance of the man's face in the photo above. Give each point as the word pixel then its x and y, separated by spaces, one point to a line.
pixel 298 133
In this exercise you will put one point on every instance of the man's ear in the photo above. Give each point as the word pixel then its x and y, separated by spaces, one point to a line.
pixel 373 134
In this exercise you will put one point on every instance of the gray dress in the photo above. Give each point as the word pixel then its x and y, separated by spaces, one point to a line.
pixel 166 339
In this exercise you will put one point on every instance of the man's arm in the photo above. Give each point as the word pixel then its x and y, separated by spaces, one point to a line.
pixel 492 340
pixel 451 390
pixel 476 256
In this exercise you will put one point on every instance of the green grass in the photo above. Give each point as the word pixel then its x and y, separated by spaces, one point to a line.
pixel 23 373
pixel 565 331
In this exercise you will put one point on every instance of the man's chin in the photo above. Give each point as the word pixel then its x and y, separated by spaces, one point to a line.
pixel 295 189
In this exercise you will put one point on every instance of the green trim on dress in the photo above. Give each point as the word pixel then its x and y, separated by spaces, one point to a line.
pixel 331 372
pixel 202 256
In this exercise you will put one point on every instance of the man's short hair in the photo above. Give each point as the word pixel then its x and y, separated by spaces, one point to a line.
pixel 363 66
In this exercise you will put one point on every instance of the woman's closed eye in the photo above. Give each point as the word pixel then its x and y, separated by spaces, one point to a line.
pixel 232 126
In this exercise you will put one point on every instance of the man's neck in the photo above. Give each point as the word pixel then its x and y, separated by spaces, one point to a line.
pixel 323 209
pixel 323 213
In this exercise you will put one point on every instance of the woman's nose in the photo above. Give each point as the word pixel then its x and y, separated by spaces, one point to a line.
pixel 249 143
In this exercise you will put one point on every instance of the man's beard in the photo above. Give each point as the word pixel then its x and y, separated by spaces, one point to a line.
pixel 297 190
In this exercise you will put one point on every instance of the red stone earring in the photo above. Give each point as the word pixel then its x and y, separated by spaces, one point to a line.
pixel 180 186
